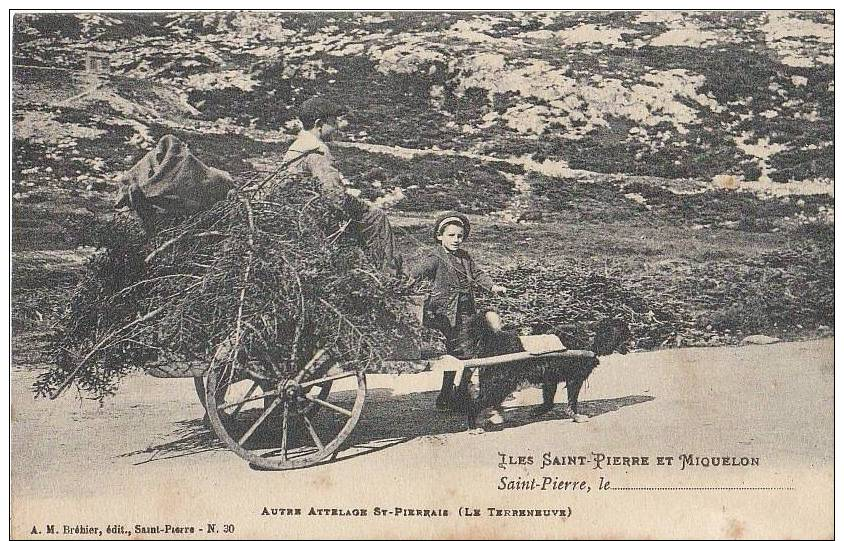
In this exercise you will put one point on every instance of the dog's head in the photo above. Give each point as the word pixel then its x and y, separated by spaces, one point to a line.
pixel 611 334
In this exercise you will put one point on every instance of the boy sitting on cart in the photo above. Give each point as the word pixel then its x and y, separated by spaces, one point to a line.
pixel 450 307
pixel 309 154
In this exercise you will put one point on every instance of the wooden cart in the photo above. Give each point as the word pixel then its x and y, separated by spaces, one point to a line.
pixel 294 420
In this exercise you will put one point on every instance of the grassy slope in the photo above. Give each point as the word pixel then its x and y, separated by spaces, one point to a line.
pixel 668 265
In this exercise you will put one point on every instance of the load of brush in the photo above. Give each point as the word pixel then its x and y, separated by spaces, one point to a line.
pixel 270 282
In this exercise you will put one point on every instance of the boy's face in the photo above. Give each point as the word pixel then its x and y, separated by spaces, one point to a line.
pixel 451 237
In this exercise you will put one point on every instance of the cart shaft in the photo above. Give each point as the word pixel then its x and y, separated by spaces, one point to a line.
pixel 524 356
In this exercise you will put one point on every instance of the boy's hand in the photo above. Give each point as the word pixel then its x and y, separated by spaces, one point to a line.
pixel 499 289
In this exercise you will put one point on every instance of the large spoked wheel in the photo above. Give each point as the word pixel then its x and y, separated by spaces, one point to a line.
pixel 285 424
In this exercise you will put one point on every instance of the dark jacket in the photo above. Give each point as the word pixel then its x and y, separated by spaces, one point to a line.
pixel 444 270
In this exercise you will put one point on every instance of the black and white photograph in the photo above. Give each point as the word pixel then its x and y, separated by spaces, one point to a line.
pixel 487 274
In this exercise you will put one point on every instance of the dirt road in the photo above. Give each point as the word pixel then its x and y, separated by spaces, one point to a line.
pixel 146 453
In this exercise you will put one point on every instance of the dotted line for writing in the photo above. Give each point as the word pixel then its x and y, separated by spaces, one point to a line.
pixel 701 488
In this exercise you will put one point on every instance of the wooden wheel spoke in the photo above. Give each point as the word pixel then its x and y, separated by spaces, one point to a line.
pixel 246 396
pixel 312 431
pixel 326 379
pixel 310 364
pixel 260 420
pixel 328 405
pixel 284 423
pixel 246 400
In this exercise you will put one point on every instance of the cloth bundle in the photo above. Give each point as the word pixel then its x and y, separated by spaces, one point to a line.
pixel 170 180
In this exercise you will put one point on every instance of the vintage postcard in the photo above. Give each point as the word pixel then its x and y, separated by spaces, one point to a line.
pixel 422 274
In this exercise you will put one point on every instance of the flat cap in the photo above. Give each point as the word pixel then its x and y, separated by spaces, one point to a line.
pixel 451 218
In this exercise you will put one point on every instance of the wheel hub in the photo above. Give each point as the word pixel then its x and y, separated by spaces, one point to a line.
pixel 290 389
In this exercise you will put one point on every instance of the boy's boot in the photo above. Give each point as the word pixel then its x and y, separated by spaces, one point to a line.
pixel 446 397
pixel 461 393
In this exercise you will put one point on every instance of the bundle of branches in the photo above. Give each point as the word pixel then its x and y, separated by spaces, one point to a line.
pixel 99 300
pixel 271 286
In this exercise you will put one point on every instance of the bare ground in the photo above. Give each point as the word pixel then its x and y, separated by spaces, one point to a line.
pixel 146 453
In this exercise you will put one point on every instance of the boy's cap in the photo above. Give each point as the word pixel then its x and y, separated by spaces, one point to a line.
pixel 318 107
pixel 452 218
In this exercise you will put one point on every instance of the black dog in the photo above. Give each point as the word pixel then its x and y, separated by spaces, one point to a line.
pixel 499 381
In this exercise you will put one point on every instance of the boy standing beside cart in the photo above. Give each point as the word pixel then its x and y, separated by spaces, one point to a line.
pixel 451 304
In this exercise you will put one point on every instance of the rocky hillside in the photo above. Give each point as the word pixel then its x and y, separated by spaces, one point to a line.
pixel 505 103
pixel 673 167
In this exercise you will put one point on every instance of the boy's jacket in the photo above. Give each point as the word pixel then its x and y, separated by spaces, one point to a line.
pixel 444 269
